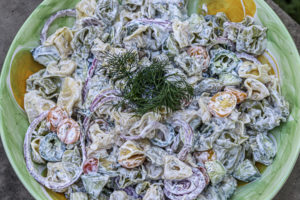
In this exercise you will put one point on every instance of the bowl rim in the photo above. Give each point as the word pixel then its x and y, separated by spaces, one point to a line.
pixel 9 57
pixel 294 49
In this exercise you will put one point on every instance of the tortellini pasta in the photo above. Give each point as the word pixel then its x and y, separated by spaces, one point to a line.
pixel 174 169
pixel 181 34
pixel 78 196
pixel 130 155
pixel 216 171
pixel 46 55
pixel 35 145
pixel 256 90
pixel 83 41
pixel 261 73
pixel 51 148
pixel 223 62
pixel 61 39
pixel 264 149
pixel 145 125
pixel 154 193
pixel 107 10
pixel 128 177
pixel 63 68
pixel 86 8
pixel 249 38
pixel 101 139
pixel 252 40
pixel 246 172
pixel 88 136
pixel 191 67
pixel 60 173
pixel 70 94
pixel 35 104
pixel 118 195
pixel 47 85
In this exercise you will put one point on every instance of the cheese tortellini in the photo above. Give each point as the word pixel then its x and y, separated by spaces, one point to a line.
pixel 89 141
pixel 35 104
pixel 61 39
pixel 70 94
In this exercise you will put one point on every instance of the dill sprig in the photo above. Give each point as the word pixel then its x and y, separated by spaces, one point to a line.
pixel 121 66
pixel 147 88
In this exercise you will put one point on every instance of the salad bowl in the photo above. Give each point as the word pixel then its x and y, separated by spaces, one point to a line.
pixel 281 54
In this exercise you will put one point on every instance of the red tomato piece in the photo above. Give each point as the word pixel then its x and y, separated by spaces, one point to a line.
pixel 55 116
pixel 201 54
pixel 90 165
pixel 68 131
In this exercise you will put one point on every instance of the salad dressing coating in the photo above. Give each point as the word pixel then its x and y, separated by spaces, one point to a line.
pixel 138 100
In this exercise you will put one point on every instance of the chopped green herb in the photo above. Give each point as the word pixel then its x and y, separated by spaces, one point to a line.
pixel 147 88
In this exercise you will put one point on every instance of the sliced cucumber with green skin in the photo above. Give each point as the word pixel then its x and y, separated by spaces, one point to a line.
pixel 216 171
pixel 230 79
pixel 246 172
pixel 210 85
pixel 94 183
pixel 223 61
pixel 51 148
pixel 264 149
pixel 227 187
pixel 78 196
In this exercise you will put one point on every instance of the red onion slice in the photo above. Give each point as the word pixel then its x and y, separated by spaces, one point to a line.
pixel 99 97
pixel 91 72
pixel 102 102
pixel 187 189
pixel 188 138
pixel 29 164
pixel 61 13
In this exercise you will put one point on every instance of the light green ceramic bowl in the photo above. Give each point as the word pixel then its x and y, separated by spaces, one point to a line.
pixel 13 121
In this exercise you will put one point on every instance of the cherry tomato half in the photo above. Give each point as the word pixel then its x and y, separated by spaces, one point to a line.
pixel 222 104
pixel 201 54
pixel 239 94
pixel 68 131
pixel 90 165
pixel 55 116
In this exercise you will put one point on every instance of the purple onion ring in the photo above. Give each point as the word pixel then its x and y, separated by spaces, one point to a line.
pixel 61 13
pixel 188 136
pixel 187 189
pixel 89 76
pixel 102 95
pixel 29 164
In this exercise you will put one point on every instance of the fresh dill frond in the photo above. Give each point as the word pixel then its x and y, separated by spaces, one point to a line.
pixel 148 88
pixel 121 66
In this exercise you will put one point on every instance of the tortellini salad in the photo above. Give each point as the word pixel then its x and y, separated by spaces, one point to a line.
pixel 82 143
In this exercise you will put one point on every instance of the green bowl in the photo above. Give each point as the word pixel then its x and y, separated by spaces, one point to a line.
pixel 281 54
